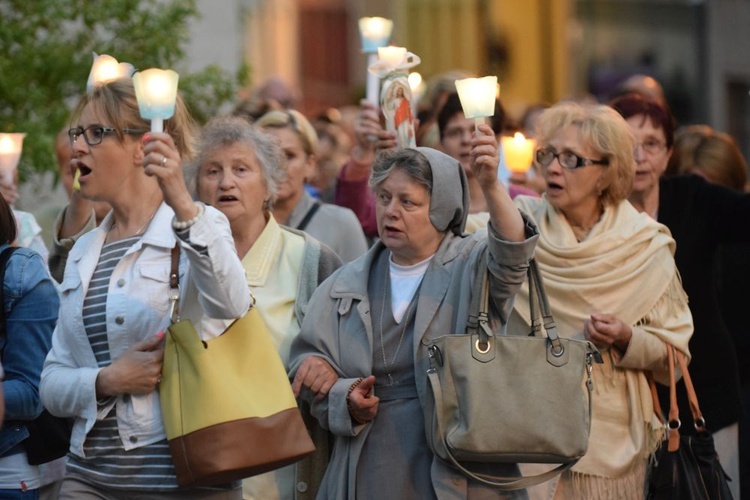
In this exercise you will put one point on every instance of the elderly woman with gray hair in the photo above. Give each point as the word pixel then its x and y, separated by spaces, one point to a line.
pixel 237 171
pixel 372 319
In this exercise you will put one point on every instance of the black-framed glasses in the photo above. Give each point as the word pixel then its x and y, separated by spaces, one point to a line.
pixel 567 159
pixel 650 146
pixel 94 134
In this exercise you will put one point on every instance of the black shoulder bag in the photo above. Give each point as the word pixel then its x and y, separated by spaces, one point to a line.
pixel 49 436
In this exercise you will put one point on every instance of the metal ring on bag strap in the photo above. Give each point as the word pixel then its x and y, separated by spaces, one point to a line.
pixel 479 349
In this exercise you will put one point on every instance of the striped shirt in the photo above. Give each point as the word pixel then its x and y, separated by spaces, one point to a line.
pixel 107 463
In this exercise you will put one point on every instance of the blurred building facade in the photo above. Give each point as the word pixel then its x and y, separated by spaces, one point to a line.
pixel 541 50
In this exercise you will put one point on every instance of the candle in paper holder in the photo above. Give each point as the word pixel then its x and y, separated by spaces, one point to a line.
pixel 156 91
pixel 518 152
pixel 11 146
pixel 106 68
pixel 477 97
pixel 375 33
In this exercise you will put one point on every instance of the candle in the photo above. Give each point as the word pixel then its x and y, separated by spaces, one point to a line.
pixel 477 97
pixel 106 68
pixel 394 56
pixel 375 33
pixel 518 152
pixel 416 83
pixel 156 91
pixel 10 153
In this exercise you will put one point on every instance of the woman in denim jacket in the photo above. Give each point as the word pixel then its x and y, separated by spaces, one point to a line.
pixel 30 313
pixel 106 358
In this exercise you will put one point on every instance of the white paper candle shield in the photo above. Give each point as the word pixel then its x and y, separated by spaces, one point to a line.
pixel 11 146
pixel 375 32
pixel 156 91
pixel 477 96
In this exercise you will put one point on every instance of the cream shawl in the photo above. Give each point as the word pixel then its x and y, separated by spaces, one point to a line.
pixel 625 267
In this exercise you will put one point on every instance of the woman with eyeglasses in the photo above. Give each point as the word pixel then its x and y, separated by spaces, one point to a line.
pixel 335 226
pixel 107 349
pixel 701 217
pixel 610 277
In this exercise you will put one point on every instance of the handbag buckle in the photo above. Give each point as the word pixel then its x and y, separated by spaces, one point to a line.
pixel 174 310
pixel 435 356
pixel 674 424
pixel 482 350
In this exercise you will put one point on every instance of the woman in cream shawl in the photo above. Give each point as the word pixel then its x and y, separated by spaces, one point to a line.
pixel 610 276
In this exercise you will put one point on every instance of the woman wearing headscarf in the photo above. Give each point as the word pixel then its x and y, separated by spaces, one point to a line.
pixel 372 320
pixel 610 277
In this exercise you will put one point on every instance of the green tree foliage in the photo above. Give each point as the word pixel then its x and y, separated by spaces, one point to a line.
pixel 46 53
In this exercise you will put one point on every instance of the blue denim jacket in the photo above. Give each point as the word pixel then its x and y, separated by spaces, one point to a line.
pixel 31 308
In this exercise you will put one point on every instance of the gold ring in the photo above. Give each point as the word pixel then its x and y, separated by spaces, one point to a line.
pixel 163 160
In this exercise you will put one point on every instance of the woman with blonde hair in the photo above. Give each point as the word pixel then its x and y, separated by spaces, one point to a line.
pixel 105 363
pixel 713 155
pixel 335 226
pixel 611 278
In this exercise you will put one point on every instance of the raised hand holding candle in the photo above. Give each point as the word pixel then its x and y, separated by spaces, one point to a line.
pixel 518 151
pixel 375 33
pixel 10 153
pixel 396 100
pixel 156 91
pixel 477 97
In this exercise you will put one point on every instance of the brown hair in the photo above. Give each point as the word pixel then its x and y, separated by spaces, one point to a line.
pixel 118 104
pixel 295 121
pixel 713 154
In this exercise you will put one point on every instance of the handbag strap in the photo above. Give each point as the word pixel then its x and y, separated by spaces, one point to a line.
pixel 308 216
pixel 174 284
pixel 539 307
pixel 499 482
pixel 673 423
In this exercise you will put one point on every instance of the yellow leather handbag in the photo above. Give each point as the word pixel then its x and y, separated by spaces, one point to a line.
pixel 227 404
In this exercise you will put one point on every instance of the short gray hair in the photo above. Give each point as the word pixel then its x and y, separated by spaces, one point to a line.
pixel 411 161
pixel 228 130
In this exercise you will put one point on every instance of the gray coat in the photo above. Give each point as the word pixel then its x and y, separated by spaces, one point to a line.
pixel 338 328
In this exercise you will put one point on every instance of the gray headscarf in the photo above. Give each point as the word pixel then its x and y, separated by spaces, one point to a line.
pixel 449 200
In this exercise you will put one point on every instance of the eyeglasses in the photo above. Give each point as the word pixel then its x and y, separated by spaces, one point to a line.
pixel 650 146
pixel 94 134
pixel 568 160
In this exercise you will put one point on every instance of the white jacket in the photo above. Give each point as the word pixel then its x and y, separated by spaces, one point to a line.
pixel 212 281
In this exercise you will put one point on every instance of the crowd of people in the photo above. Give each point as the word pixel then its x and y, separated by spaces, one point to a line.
pixel 357 253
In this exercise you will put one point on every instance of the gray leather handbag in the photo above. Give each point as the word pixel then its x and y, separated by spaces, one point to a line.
pixel 510 398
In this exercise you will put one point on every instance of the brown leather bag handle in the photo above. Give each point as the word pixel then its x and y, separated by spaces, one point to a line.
pixel 674 424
